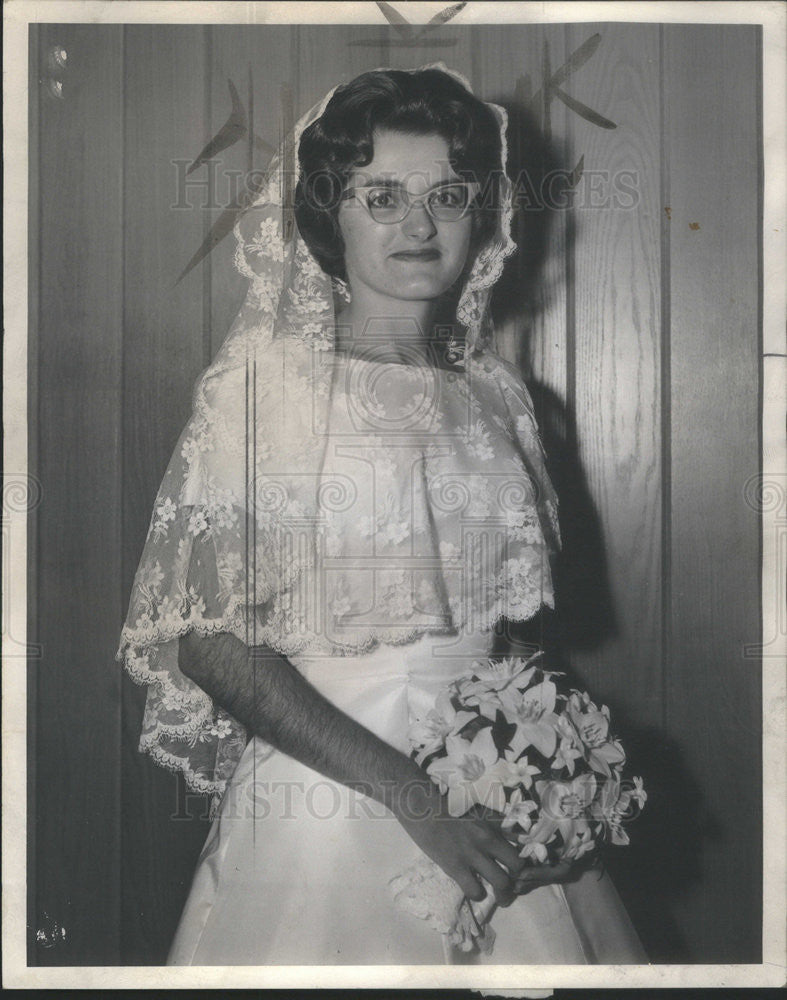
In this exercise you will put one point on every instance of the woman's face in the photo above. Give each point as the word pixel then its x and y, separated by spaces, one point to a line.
pixel 418 258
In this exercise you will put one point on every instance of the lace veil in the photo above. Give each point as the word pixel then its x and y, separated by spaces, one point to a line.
pixel 266 528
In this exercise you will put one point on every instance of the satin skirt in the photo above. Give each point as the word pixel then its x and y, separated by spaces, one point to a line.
pixel 295 868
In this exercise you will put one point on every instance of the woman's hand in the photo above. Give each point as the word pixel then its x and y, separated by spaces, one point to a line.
pixel 465 847
pixel 530 877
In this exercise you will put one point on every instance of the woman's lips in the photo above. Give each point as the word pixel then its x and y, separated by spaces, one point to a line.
pixel 431 254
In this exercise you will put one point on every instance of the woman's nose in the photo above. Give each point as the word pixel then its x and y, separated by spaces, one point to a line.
pixel 418 222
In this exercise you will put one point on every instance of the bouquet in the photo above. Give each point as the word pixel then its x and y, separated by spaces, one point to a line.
pixel 512 736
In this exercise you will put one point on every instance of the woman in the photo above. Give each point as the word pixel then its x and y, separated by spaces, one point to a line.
pixel 358 500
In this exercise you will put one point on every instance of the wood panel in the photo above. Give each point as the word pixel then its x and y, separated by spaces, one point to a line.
pixel 530 308
pixel 77 819
pixel 454 46
pixel 164 350
pixel 610 570
pixel 616 395
pixel 34 59
pixel 713 692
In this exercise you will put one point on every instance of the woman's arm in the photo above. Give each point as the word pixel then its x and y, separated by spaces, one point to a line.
pixel 262 690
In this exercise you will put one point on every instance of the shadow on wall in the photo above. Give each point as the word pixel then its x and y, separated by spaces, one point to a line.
pixel 663 860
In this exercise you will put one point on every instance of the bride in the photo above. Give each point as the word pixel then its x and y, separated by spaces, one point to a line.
pixel 357 504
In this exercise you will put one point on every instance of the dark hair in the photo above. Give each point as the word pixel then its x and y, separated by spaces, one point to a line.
pixel 424 102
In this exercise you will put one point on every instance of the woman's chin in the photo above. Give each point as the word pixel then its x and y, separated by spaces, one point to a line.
pixel 420 290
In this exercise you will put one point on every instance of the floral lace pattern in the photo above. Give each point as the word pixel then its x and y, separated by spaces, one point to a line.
pixel 317 503
pixel 419 519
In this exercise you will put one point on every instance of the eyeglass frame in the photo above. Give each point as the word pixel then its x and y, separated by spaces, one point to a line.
pixel 411 200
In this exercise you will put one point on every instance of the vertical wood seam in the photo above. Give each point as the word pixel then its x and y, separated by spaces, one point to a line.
pixel 666 395
pixel 122 452
pixel 34 311
pixel 759 84
pixel 297 110
pixel 570 278
pixel 207 262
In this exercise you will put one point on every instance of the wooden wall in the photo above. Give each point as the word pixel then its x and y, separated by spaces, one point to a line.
pixel 635 315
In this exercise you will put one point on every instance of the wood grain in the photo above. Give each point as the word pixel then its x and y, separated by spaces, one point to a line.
pixel 35 48
pixel 713 691
pixel 611 566
pixel 165 118
pixel 531 308
pixel 617 322
pixel 77 820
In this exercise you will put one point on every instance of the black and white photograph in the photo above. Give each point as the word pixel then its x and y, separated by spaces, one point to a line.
pixel 394 496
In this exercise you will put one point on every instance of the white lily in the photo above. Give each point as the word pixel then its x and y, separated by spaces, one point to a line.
pixel 470 773
pixel 534 713
pixel 442 721
pixel 517 812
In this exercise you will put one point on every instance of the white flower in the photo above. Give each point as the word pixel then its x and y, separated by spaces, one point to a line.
pixel 500 674
pixel 197 521
pixel 430 733
pixel 166 510
pixel 534 713
pixel 592 727
pixel 486 700
pixel 518 812
pixel 493 677
pixel 221 728
pixel 564 808
pixel 533 849
pixel 470 773
pixel 517 772
pixel 267 241
pixel 567 751
pixel 638 794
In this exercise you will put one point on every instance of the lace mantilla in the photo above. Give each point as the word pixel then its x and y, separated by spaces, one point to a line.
pixel 320 504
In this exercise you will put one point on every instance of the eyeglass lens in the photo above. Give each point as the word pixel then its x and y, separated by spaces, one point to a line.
pixel 446 204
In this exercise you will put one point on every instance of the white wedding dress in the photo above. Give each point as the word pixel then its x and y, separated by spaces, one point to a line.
pixel 296 868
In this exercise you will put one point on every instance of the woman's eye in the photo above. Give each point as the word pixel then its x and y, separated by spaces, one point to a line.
pixel 449 197
pixel 381 199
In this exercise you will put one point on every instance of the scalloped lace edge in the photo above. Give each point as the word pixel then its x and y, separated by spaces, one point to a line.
pixel 204 707
pixel 142 639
